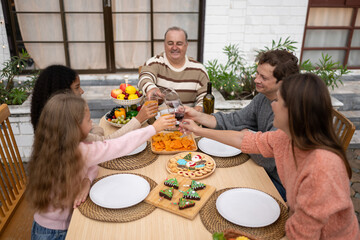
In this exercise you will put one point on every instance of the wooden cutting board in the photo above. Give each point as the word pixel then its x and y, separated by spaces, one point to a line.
pixel 190 213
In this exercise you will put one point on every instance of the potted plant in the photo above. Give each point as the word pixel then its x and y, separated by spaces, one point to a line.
pixel 235 78
pixel 11 92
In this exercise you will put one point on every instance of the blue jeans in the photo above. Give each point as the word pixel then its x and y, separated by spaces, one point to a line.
pixel 279 187
pixel 41 233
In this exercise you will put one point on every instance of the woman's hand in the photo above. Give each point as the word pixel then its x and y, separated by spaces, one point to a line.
pixel 146 112
pixel 84 191
pixel 188 125
pixel 164 122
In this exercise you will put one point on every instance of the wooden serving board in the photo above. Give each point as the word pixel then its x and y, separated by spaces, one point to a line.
pixel 190 213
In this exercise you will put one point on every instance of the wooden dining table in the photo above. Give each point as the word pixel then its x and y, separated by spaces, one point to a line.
pixel 161 224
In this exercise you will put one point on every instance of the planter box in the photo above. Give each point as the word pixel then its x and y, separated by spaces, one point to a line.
pixel 22 128
pixel 226 105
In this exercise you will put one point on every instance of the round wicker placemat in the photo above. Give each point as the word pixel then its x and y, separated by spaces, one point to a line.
pixel 214 222
pixel 132 162
pixel 226 162
pixel 140 210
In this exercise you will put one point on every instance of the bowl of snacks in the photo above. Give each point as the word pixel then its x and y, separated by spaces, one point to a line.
pixel 126 94
pixel 120 115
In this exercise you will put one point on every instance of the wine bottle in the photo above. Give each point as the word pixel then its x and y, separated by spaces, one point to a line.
pixel 209 100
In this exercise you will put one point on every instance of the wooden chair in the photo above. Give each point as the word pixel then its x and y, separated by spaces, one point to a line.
pixel 344 128
pixel 16 216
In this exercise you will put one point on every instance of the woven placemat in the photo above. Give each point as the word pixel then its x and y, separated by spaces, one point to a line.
pixel 132 162
pixel 140 210
pixel 226 162
pixel 214 222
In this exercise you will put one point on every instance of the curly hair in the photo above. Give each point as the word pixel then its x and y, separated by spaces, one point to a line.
pixel 52 79
pixel 310 117
pixel 56 166
pixel 285 62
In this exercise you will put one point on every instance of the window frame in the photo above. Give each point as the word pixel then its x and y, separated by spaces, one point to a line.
pixel 355 5
pixel 15 43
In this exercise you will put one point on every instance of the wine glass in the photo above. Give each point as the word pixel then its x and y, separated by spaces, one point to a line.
pixel 176 107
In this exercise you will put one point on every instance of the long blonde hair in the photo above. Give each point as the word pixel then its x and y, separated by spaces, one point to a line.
pixel 56 165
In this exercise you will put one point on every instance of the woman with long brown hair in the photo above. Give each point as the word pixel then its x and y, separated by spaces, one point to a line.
pixel 311 161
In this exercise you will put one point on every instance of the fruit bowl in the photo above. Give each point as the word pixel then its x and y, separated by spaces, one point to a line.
pixel 119 125
pixel 127 102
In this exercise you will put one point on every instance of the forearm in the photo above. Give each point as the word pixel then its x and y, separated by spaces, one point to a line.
pixel 232 138
pixel 206 120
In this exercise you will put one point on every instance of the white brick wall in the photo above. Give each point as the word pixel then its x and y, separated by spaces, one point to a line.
pixel 252 24
pixel 4 52
pixel 21 125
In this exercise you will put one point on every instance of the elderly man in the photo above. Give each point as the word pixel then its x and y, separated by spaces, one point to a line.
pixel 174 69
pixel 273 66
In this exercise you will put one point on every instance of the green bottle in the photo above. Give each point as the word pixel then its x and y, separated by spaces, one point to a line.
pixel 209 100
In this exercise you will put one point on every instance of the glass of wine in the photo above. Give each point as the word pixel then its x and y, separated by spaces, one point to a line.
pixel 176 107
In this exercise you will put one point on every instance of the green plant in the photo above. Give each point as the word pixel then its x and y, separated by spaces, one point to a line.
pixel 328 70
pixel 235 79
pixel 13 93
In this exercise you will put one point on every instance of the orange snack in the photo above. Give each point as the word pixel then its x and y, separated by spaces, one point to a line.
pixel 172 141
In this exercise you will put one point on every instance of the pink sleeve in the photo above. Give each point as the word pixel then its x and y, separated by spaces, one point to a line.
pixel 259 143
pixel 102 151
pixel 92 172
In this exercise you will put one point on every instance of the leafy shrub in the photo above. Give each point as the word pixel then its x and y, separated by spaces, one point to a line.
pixel 13 93
pixel 235 79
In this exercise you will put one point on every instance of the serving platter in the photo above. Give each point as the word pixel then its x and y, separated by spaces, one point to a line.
pixel 193 168
pixel 189 136
pixel 171 206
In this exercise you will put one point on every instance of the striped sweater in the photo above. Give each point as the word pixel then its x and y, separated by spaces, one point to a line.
pixel 189 81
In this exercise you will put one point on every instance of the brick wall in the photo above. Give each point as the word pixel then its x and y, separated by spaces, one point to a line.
pixel 252 24
pixel 4 46
pixel 22 128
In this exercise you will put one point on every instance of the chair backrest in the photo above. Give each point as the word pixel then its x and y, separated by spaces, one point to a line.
pixel 13 177
pixel 344 128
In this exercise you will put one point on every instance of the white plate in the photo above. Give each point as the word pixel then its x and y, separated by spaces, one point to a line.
pixel 218 149
pixel 139 149
pixel 119 191
pixel 248 207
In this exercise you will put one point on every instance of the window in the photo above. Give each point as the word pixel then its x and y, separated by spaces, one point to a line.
pixel 99 36
pixel 333 27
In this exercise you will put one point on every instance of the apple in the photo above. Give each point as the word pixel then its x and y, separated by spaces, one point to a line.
pixel 123 86
pixel 115 92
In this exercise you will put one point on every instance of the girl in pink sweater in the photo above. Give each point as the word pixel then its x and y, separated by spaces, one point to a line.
pixel 311 161
pixel 62 165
